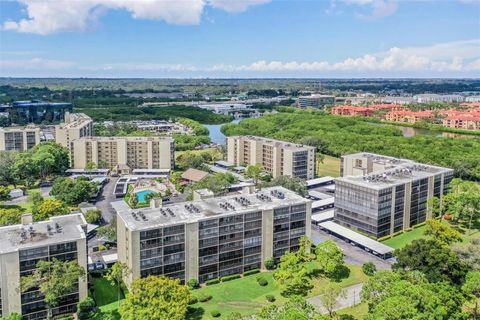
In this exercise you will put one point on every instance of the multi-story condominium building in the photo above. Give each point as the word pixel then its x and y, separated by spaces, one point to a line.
pixel 211 237
pixel 277 157
pixel 124 153
pixel 380 195
pixel 353 111
pixel 37 111
pixel 427 98
pixel 317 101
pixel 463 121
pixel 76 126
pixel 23 246
pixel 19 138
pixel 409 116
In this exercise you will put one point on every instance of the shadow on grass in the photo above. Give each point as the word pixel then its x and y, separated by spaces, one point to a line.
pixel 340 273
pixel 195 313
pixel 107 315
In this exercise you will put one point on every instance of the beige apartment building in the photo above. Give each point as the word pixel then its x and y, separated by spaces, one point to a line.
pixel 211 237
pixel 19 138
pixel 277 157
pixel 76 126
pixel 124 153
pixel 23 246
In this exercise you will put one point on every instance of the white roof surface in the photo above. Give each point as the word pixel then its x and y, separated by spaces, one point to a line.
pixel 315 181
pixel 323 216
pixel 356 237
pixel 324 202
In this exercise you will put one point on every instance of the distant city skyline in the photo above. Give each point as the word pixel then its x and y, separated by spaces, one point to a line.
pixel 240 38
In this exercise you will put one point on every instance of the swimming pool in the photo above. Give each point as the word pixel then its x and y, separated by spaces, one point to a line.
pixel 142 194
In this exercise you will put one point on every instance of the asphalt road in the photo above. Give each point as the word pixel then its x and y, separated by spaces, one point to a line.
pixel 353 254
pixel 352 297
pixel 107 197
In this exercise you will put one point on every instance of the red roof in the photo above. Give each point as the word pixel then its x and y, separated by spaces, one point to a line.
pixel 463 118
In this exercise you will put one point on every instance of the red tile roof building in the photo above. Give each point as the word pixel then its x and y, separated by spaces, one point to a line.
pixel 468 122
pixel 408 116
pixel 352 111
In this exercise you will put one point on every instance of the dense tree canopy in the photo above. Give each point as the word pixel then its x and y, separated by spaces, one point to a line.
pixel 9 216
pixel 73 191
pixel 49 208
pixel 342 135
pixel 156 298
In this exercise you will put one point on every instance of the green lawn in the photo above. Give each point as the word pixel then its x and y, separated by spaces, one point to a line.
pixel 358 311
pixel 405 238
pixel 243 295
pixel 329 167
pixel 105 292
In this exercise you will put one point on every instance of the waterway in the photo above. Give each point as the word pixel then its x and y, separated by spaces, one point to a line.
pixel 215 134
pixel 411 132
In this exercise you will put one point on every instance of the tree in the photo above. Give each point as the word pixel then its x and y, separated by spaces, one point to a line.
pixel 394 308
pixel 432 257
pixel 49 208
pixel 442 231
pixel 35 197
pixel 254 172
pixel 108 231
pixel 470 253
pixel 54 279
pixel 156 298
pixel 90 166
pixel 7 167
pixel 9 216
pixel 4 193
pixel 12 316
pixel 85 308
pixel 329 257
pixel 218 183
pixel 463 201
pixel 296 308
pixel 102 164
pixel 471 288
pixel 191 160
pixel 329 295
pixel 72 191
pixel 369 268
pixel 376 287
pixel 293 273
pixel 116 274
pixel 93 216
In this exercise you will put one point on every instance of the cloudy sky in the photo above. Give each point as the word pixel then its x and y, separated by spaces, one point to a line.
pixel 240 38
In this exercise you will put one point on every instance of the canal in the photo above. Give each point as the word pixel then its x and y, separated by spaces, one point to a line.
pixel 215 134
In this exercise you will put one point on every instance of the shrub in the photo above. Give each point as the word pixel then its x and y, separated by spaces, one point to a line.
pixel 270 264
pixel 250 272
pixel 262 281
pixel 193 284
pixel 213 281
pixel 93 216
pixel 193 300
pixel 85 308
pixel 369 268
pixel 232 277
pixel 202 297
pixel 215 313
pixel 270 298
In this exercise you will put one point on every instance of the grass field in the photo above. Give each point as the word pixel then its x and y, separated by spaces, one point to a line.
pixel 329 167
pixel 105 292
pixel 358 311
pixel 405 238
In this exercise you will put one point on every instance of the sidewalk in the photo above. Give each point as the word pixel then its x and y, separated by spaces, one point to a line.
pixel 352 298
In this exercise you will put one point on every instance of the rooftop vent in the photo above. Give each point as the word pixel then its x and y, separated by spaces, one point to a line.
pixel 263 197
pixel 277 194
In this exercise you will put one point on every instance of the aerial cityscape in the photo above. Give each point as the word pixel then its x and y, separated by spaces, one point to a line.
pixel 239 160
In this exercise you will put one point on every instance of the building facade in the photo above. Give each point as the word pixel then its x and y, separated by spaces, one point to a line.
pixel 409 116
pixel 277 157
pixel 19 139
pixel 316 101
pixel 123 153
pixel 75 126
pixel 37 112
pixel 379 195
pixel 23 246
pixel 211 237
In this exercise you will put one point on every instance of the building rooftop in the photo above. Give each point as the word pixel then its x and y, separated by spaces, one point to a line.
pixel 74 120
pixel 197 210
pixel 277 143
pixel 56 230
pixel 397 171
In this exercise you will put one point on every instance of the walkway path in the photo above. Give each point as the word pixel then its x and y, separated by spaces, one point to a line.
pixel 352 298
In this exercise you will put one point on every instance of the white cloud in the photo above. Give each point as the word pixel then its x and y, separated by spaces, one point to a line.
pixel 379 8
pixel 458 58
pixel 51 16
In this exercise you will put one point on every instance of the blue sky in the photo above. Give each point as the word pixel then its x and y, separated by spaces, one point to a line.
pixel 240 38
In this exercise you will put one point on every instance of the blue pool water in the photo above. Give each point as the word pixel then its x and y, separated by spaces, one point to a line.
pixel 142 194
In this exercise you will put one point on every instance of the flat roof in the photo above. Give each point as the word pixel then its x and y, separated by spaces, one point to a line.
pixel 323 216
pixel 43 233
pixel 224 163
pixel 324 202
pixel 275 142
pixel 356 237
pixel 221 170
pixel 197 210
pixel 319 195
pixel 320 180
pixel 398 171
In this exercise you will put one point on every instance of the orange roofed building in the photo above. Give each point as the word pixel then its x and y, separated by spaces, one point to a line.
pixel 408 116
pixel 352 111
pixel 465 121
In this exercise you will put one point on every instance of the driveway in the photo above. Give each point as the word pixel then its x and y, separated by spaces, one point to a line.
pixel 104 201
pixel 351 299
pixel 353 254
pixel 44 191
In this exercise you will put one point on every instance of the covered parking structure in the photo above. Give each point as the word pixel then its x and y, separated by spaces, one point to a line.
pixel 361 241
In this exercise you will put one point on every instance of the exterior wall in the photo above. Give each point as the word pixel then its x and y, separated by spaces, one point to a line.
pixel 191 251
pixel 19 139
pixel 10 282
